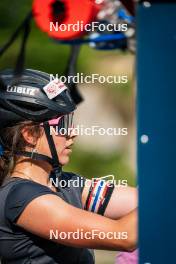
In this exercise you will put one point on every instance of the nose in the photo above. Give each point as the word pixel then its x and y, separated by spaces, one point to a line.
pixel 73 133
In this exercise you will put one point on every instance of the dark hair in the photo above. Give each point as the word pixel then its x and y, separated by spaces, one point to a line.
pixel 13 141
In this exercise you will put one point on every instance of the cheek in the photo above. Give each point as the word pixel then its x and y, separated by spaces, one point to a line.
pixel 62 152
pixel 60 144
pixel 43 146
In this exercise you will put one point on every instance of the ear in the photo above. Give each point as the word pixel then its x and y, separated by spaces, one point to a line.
pixel 30 139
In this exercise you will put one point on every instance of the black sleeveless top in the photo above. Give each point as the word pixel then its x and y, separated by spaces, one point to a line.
pixel 17 246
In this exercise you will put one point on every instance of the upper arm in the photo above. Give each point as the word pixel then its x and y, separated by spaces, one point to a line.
pixel 123 200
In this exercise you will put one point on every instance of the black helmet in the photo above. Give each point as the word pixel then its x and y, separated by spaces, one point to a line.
pixel 33 96
pixel 23 98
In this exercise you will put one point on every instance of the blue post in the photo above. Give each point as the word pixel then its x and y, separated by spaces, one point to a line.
pixel 156 103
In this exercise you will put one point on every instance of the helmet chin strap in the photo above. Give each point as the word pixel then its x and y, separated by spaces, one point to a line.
pixel 57 168
pixel 54 161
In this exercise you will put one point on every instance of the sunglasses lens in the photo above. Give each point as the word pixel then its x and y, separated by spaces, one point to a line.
pixel 64 124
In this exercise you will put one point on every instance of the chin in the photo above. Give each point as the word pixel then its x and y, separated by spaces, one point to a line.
pixel 64 160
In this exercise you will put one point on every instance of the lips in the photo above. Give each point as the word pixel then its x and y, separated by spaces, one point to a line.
pixel 68 150
pixel 69 147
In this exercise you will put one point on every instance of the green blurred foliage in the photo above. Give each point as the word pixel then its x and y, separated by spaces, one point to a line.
pixel 92 165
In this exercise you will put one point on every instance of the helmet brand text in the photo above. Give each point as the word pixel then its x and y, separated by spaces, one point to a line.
pixel 20 90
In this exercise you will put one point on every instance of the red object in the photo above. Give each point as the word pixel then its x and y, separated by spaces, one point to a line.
pixel 64 12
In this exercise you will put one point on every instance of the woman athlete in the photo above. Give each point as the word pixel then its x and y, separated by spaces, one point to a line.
pixel 40 221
